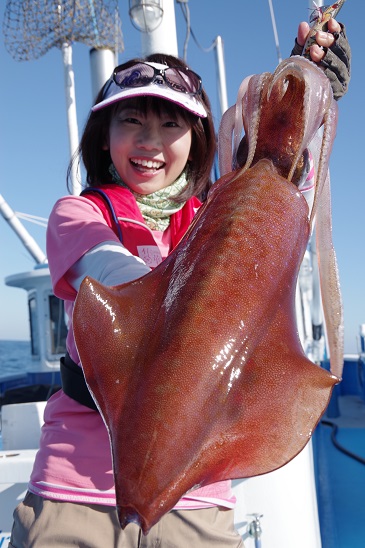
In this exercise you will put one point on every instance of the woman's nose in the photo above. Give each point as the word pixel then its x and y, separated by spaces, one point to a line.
pixel 149 137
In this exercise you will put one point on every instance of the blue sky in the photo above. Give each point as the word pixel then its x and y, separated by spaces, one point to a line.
pixel 34 137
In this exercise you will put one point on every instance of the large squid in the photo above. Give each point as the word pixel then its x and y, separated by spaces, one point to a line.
pixel 197 367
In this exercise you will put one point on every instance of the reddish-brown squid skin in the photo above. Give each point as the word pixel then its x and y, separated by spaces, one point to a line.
pixel 197 367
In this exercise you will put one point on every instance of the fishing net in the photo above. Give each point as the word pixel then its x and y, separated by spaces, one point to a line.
pixel 32 27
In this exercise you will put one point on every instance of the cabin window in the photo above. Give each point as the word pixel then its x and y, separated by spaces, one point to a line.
pixel 58 325
pixel 34 332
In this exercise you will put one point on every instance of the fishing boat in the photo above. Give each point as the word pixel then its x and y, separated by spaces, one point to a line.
pixel 299 504
pixel 23 395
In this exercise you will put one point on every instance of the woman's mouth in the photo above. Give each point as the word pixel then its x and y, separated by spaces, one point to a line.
pixel 144 164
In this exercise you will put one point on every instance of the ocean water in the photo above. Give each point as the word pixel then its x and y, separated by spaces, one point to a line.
pixel 15 357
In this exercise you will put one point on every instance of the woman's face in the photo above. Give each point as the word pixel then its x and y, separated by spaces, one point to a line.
pixel 149 150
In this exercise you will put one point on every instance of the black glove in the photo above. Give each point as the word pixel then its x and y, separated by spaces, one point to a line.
pixel 336 63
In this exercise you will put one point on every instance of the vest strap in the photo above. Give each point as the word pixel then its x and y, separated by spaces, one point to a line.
pixel 109 204
pixel 74 384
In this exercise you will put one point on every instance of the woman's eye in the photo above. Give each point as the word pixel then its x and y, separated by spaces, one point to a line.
pixel 171 124
pixel 131 120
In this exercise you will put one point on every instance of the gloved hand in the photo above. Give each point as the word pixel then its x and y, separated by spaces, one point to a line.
pixel 336 60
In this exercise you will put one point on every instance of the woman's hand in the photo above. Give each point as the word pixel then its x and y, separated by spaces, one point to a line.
pixel 332 52
pixel 323 39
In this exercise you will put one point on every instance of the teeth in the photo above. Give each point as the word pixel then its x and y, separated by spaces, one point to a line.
pixel 147 163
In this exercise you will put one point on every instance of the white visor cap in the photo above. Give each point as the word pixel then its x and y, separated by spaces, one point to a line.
pixel 158 88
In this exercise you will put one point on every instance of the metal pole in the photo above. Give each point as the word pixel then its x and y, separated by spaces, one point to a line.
pixel 102 63
pixel 164 38
pixel 28 241
pixel 276 37
pixel 102 60
pixel 222 83
pixel 71 112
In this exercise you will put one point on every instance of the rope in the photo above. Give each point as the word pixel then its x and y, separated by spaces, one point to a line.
pixel 338 445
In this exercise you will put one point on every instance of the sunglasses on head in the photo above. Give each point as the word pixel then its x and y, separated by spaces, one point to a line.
pixel 141 74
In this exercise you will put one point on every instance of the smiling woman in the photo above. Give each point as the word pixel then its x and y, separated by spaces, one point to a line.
pixel 176 114
pixel 149 152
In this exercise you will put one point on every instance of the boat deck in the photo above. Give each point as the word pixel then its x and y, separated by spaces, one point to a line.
pixel 339 454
